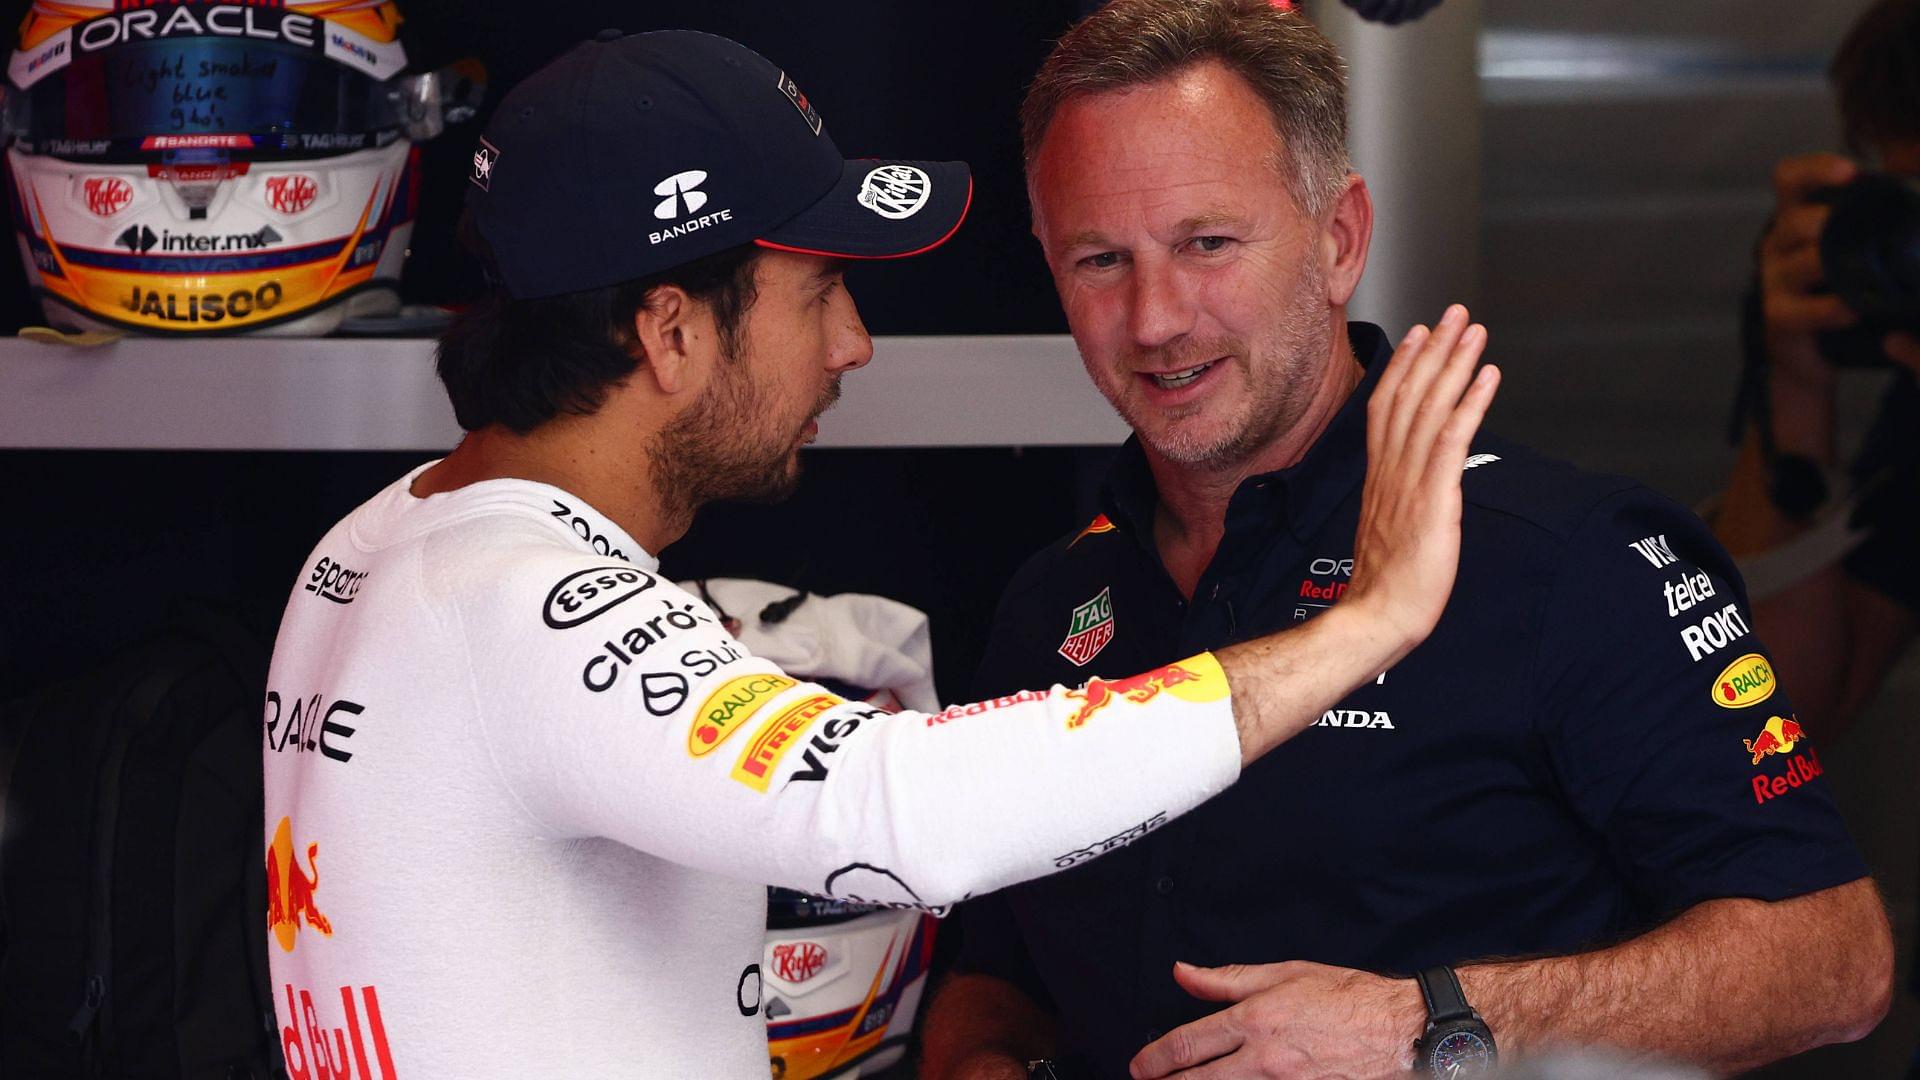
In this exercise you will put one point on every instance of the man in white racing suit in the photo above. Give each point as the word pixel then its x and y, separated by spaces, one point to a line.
pixel 523 795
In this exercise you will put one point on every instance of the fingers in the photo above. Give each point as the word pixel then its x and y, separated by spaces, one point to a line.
pixel 1383 391
pixel 1456 437
pixel 1229 982
pixel 1903 349
pixel 1442 399
pixel 1790 314
pixel 1796 229
pixel 1421 372
pixel 1797 271
pixel 1796 178
pixel 1187 1046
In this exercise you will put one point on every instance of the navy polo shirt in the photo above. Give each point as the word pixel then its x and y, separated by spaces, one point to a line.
pixel 1590 742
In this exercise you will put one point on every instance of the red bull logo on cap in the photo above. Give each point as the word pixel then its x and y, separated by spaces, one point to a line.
pixel 290 889
pixel 1780 736
pixel 1197 679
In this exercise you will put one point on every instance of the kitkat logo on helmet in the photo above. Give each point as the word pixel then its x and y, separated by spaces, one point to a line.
pixel 798 961
pixel 729 707
pixel 107 195
pixel 1746 681
pixel 292 193
pixel 583 594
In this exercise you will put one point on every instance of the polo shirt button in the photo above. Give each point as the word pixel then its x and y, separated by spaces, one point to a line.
pixel 1164 885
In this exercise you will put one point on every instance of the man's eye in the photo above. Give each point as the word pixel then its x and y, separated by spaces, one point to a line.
pixel 1210 243
pixel 1102 261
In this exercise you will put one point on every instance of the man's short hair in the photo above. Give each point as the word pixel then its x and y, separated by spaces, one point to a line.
pixel 1287 62
pixel 520 363
pixel 1877 75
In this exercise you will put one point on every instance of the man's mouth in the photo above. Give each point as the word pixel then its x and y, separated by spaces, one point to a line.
pixel 1174 380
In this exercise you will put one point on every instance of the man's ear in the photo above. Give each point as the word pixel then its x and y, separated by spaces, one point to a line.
pixel 668 330
pixel 1345 238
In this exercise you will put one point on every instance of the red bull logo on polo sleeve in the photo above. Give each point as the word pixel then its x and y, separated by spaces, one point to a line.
pixel 1196 679
pixel 1780 736
pixel 290 889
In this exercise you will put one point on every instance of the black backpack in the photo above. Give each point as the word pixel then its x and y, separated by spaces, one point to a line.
pixel 132 876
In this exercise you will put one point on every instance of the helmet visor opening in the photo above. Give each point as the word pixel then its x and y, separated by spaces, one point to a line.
pixel 202 86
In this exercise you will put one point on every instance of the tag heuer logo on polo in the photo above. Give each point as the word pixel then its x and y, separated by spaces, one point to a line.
pixel 1090 630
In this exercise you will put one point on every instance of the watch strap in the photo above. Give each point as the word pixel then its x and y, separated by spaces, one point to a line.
pixel 1441 989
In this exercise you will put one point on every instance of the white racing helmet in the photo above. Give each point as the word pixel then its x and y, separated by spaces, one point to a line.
pixel 217 167
pixel 841 981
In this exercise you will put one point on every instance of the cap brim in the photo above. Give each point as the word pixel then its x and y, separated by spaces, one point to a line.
pixel 881 209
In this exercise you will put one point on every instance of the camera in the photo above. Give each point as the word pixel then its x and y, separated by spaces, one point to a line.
pixel 1870 253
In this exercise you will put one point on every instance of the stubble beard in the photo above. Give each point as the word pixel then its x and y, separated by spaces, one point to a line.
pixel 718 449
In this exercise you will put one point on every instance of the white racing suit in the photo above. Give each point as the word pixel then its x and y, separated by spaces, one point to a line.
pixel 523 796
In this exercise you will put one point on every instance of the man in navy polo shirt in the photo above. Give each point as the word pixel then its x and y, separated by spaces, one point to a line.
pixel 1589 762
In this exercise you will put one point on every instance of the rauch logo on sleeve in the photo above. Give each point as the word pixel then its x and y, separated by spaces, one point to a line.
pixel 728 709
pixel 1746 681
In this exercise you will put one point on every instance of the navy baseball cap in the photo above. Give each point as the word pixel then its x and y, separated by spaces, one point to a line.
pixel 633 154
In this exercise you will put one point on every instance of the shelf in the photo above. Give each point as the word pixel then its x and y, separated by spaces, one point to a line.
pixel 381 394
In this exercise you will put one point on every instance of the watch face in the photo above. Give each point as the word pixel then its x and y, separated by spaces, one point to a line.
pixel 1460 1053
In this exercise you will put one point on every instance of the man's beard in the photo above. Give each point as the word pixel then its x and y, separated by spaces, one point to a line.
pixel 1278 396
pixel 718 451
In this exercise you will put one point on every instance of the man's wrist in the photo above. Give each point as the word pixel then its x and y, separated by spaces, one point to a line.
pixel 1406 1016
pixel 1801 417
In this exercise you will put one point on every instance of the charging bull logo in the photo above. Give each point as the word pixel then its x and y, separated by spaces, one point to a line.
pixel 1196 679
pixel 290 889
pixel 1780 736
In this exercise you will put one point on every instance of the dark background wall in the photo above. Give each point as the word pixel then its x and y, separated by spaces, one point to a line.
pixel 105 542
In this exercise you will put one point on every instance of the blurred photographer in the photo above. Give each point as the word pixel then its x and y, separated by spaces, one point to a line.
pixel 1838 286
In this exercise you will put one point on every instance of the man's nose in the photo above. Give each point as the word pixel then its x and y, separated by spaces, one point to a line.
pixel 1161 307
pixel 852 346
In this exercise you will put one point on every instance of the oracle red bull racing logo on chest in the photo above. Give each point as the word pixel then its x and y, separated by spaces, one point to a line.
pixel 1195 679
pixel 1090 629
pixel 290 889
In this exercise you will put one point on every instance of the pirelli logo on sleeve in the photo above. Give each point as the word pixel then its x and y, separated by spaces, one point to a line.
pixel 763 752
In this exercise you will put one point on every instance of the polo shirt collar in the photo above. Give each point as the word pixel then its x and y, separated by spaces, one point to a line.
pixel 1303 494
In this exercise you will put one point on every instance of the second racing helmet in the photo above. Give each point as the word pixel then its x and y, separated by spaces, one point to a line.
pixel 202 168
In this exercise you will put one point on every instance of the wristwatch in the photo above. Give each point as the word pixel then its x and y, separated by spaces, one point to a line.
pixel 1457 1042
